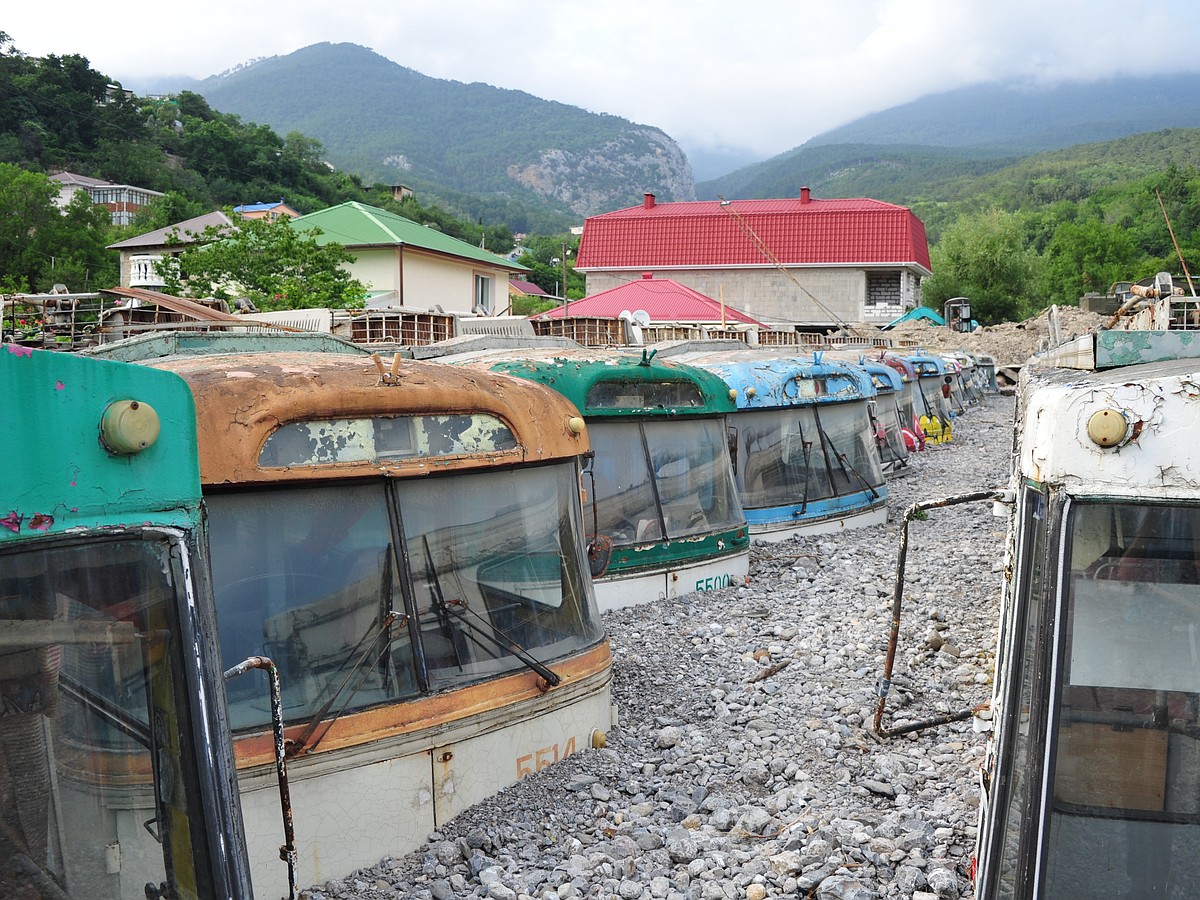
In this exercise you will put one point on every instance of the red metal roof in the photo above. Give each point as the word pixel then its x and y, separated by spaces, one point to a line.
pixel 799 231
pixel 527 287
pixel 665 300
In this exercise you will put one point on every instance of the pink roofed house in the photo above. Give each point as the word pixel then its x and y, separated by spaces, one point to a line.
pixel 798 260
pixel 663 299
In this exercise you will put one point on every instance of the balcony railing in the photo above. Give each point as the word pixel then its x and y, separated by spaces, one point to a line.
pixel 144 273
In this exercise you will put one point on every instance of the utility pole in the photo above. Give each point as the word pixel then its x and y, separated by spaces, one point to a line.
pixel 566 302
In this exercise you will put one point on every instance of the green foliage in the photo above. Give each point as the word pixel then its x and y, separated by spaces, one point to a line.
pixel 269 262
pixel 984 257
pixel 58 113
pixel 1087 256
pixel 41 246
pixel 78 238
pixel 481 151
pixel 169 209
pixel 528 306
pixel 30 218
pixel 543 255
pixel 1011 231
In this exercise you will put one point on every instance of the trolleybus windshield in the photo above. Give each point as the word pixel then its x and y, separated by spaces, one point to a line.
pixel 99 789
pixel 662 480
pixel 490 569
pixel 795 455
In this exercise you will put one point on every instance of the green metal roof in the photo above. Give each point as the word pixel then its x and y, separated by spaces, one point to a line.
pixel 354 224
pixel 574 376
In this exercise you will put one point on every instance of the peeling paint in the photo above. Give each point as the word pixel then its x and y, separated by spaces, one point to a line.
pixel 1159 404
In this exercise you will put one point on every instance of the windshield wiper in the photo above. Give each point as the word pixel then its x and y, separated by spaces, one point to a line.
pixel 463 613
pixel 105 710
pixel 364 651
pixel 658 507
pixel 844 463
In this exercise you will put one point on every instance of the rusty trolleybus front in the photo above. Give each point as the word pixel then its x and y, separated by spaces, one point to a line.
pixel 406 541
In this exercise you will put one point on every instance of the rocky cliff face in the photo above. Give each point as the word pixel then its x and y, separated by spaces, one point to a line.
pixel 482 150
pixel 611 175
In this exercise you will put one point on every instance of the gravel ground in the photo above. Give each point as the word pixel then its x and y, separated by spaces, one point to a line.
pixel 744 765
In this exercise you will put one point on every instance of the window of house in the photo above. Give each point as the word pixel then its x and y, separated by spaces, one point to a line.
pixel 884 289
pixel 484 298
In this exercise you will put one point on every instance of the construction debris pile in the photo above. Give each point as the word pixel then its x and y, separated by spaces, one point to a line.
pixel 1008 343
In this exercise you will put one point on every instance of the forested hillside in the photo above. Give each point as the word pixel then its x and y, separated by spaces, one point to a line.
pixel 895 153
pixel 495 154
pixel 1012 233
pixel 59 114
pixel 1017 234
pixel 1019 119
pixel 1055 226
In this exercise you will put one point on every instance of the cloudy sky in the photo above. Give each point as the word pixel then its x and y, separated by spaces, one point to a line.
pixel 757 77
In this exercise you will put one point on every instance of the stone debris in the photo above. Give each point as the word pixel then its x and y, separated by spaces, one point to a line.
pixel 744 765
pixel 1008 343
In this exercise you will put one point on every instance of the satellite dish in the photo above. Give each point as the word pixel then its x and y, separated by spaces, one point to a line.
pixel 625 315
pixel 641 318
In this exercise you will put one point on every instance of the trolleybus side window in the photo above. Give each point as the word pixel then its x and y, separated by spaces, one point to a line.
pixel 1126 780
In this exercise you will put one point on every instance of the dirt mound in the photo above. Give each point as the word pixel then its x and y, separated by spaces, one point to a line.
pixel 1009 343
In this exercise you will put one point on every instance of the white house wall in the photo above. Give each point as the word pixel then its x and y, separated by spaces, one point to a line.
pixel 431 280
pixel 435 281
pixel 765 292
pixel 378 269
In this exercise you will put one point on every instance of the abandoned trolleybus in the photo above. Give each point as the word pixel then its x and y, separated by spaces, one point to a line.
pixel 405 541
pixel 802 438
pixel 1092 782
pixel 661 486
pixel 116 771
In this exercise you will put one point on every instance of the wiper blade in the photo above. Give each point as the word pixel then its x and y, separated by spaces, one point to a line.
pixel 462 612
pixel 845 463
pixel 364 651
pixel 486 629
pixel 359 670
pixel 105 710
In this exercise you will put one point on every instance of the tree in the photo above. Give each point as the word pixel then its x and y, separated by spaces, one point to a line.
pixel 28 226
pixel 984 256
pixel 543 257
pixel 1086 256
pixel 77 240
pixel 169 209
pixel 269 262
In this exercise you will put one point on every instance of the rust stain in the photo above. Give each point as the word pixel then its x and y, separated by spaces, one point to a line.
pixel 411 716
pixel 235 415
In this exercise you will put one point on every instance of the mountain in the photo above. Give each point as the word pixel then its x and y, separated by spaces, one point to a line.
pixel 969 131
pixel 483 150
